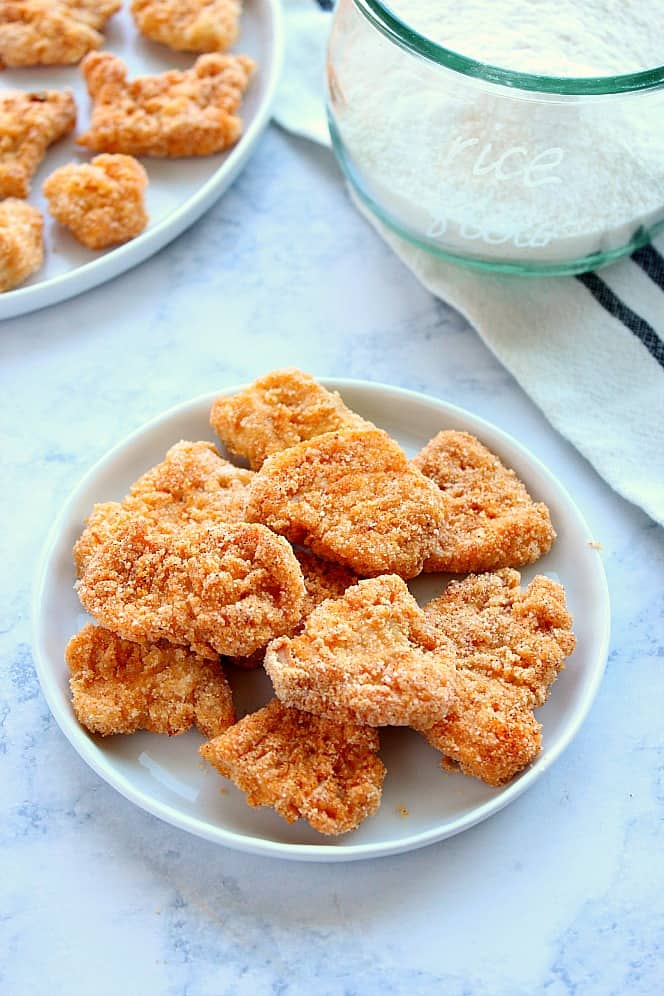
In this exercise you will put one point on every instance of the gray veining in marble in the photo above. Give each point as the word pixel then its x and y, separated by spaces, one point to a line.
pixel 560 894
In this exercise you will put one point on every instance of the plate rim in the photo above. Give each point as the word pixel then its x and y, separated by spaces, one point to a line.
pixel 95 272
pixel 88 750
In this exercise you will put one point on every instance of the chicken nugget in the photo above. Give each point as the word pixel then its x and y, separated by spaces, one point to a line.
pixel 102 202
pixel 489 732
pixel 279 410
pixel 521 637
pixel 190 113
pixel 189 25
pixel 322 580
pixel 353 498
pixel 324 771
pixel 368 657
pixel 21 242
pixel 192 485
pixel 93 12
pixel 492 521
pixel 51 32
pixel 29 123
pixel 223 590
pixel 121 687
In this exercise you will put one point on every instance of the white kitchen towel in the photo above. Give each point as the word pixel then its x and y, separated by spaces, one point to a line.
pixel 589 350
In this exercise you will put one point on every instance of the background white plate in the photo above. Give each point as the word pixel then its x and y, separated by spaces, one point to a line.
pixel 166 776
pixel 180 190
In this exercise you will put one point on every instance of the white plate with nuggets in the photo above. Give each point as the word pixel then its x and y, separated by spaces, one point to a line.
pixel 179 191
pixel 166 776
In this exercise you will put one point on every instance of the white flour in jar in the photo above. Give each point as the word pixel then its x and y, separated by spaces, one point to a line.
pixel 551 37
pixel 497 172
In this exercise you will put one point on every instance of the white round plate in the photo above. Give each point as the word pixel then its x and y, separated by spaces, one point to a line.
pixel 179 191
pixel 166 776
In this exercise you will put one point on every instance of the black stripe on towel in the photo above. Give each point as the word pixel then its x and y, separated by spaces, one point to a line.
pixel 612 303
pixel 325 4
pixel 652 263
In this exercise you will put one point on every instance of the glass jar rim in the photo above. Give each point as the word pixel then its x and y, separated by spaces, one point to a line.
pixel 400 32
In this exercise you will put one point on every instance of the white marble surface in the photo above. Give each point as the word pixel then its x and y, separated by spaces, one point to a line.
pixel 560 894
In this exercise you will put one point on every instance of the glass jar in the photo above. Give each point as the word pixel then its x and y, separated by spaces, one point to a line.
pixel 500 170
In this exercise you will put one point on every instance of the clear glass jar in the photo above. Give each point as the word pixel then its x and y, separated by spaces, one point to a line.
pixel 500 170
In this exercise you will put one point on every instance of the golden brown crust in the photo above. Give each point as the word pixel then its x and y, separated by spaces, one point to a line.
pixel 189 25
pixel 491 520
pixel 93 12
pixel 322 580
pixel 190 113
pixel 490 731
pixel 51 32
pixel 281 409
pixel 103 523
pixel 29 123
pixel 224 590
pixel 368 657
pixel 121 687
pixel 353 498
pixel 521 637
pixel 101 202
pixel 305 767
pixel 21 242
pixel 193 484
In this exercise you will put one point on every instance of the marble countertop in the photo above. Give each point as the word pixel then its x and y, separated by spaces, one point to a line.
pixel 558 894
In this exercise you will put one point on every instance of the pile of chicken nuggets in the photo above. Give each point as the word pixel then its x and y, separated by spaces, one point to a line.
pixel 300 565
pixel 175 114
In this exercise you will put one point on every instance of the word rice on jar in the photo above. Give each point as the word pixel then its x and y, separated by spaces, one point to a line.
pixel 513 135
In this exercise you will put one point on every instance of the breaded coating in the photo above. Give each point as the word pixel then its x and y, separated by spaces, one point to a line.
pixel 102 202
pixel 323 771
pixel 196 480
pixel 353 498
pixel 223 590
pixel 322 580
pixel 104 522
pixel 189 25
pixel 190 113
pixel 368 657
pixel 121 687
pixel 192 485
pixel 492 521
pixel 279 410
pixel 489 732
pixel 29 123
pixel 51 32
pixel 93 12
pixel 21 242
pixel 521 637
